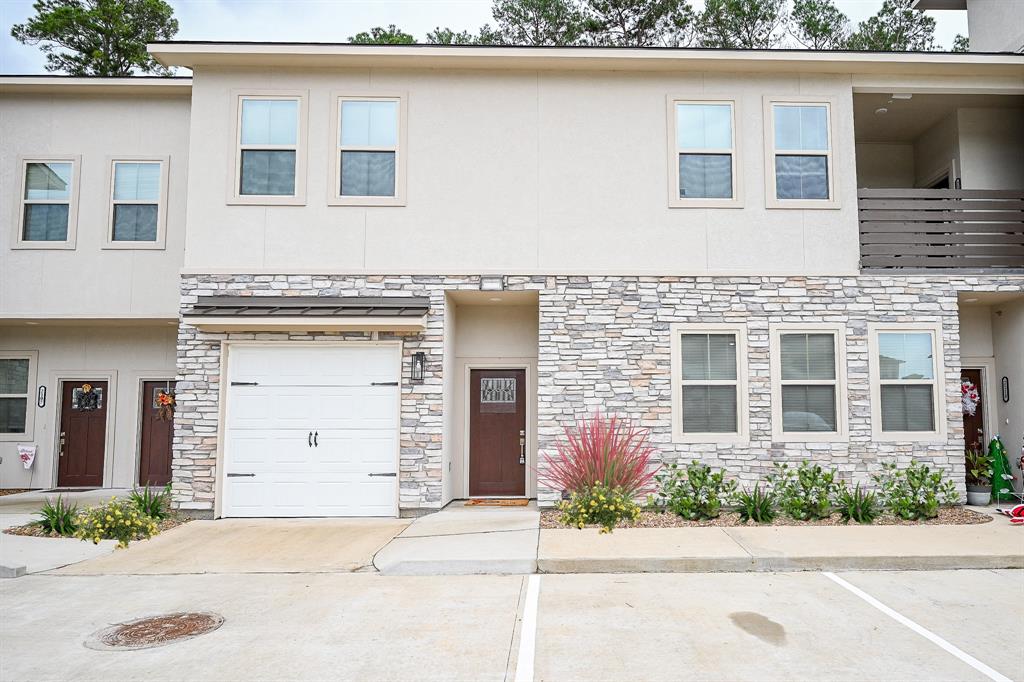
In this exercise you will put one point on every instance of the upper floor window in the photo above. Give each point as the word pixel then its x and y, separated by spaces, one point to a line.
pixel 270 161
pixel 17 379
pixel 703 162
pixel 138 192
pixel 906 386
pixel 808 368
pixel 49 203
pixel 368 155
pixel 800 153
pixel 709 382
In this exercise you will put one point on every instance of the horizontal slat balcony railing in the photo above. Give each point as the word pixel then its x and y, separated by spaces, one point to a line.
pixel 922 230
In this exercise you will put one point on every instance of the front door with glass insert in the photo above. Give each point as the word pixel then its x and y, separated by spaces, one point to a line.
pixel 497 432
pixel 83 434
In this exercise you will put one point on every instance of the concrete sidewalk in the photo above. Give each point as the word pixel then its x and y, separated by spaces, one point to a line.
pixel 782 548
pixel 460 540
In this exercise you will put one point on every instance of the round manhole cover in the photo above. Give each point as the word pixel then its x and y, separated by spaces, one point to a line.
pixel 155 631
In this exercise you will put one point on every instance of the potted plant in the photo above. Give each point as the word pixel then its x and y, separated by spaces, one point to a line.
pixel 979 477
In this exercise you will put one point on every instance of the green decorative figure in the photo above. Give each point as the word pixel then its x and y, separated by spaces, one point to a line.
pixel 1002 479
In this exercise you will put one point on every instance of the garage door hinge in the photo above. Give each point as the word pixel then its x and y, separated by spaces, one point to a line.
pixel 244 383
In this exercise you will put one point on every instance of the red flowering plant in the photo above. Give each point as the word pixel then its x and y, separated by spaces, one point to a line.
pixel 603 465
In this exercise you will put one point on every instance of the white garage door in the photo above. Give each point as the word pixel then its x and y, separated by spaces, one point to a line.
pixel 311 431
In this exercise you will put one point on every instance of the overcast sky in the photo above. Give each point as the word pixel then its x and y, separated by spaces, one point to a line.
pixel 336 20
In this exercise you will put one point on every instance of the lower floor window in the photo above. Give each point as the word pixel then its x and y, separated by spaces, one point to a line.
pixel 15 384
pixel 709 384
pixel 906 369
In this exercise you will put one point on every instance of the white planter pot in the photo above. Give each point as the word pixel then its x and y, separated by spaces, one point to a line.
pixel 979 497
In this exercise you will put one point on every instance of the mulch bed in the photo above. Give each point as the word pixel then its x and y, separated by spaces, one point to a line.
pixel 948 516
pixel 35 531
pixel 13 491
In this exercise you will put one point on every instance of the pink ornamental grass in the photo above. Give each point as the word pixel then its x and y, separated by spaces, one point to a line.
pixel 606 450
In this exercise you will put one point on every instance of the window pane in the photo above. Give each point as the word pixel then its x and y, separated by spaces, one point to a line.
pixel 709 357
pixel 907 408
pixel 808 408
pixel 268 173
pixel 48 180
pixel 808 356
pixel 137 181
pixel 801 177
pixel 368 174
pixel 704 126
pixel 905 356
pixel 14 375
pixel 709 409
pixel 135 223
pixel 270 121
pixel 12 415
pixel 369 124
pixel 801 128
pixel 705 176
pixel 46 223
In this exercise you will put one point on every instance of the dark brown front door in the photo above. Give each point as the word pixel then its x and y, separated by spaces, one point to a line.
pixel 497 432
pixel 155 442
pixel 974 424
pixel 83 433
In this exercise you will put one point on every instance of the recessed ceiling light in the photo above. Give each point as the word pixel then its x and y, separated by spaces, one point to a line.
pixel 32 323
pixel 494 298
pixel 902 95
pixel 881 110
pixel 970 300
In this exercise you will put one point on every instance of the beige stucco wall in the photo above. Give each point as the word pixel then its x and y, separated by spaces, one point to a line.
pixel 91 281
pixel 128 354
pixel 519 171
pixel 975 331
pixel 497 336
pixel 885 165
pixel 991 143
pixel 996 25
pixel 1008 341
pixel 935 151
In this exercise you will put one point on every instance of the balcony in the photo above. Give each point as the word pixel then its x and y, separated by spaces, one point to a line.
pixel 930 230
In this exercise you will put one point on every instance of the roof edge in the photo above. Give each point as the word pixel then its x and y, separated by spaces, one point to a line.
pixel 29 83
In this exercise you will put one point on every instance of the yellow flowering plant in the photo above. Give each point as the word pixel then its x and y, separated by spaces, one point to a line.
pixel 599 505
pixel 119 520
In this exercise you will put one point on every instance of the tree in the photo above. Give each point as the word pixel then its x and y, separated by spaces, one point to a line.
pixel 895 28
pixel 538 22
pixel 819 25
pixel 743 24
pixel 961 43
pixel 98 37
pixel 392 35
pixel 638 23
pixel 447 36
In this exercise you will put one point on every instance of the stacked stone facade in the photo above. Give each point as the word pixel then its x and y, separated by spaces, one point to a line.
pixel 604 343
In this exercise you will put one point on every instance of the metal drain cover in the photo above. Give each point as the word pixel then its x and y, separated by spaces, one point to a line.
pixel 155 631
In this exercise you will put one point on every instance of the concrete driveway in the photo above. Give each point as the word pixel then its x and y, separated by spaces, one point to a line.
pixel 251 546
pixel 367 626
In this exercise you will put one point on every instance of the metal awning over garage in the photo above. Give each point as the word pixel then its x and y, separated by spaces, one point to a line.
pixel 308 313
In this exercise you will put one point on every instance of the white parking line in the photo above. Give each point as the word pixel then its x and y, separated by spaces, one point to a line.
pixel 528 631
pixel 924 632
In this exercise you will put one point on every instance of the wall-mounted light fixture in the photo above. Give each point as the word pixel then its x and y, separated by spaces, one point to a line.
pixel 492 282
pixel 419 367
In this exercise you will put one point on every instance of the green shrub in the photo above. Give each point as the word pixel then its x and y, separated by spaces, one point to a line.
pixel 598 505
pixel 58 517
pixel 859 504
pixel 118 520
pixel 757 504
pixel 156 505
pixel 806 492
pixel 915 492
pixel 694 493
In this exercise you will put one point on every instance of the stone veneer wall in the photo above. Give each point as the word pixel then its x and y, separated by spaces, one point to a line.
pixel 603 343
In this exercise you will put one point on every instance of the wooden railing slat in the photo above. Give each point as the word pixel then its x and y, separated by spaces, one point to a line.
pixel 941 250
pixel 941 216
pixel 943 204
pixel 917 238
pixel 902 193
pixel 941 228
pixel 942 262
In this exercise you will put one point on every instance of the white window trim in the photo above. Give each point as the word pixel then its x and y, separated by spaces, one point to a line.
pixel 676 201
pixel 742 434
pixel 771 201
pixel 161 210
pixel 334 196
pixel 234 195
pixel 19 205
pixel 838 331
pixel 938 382
pixel 30 397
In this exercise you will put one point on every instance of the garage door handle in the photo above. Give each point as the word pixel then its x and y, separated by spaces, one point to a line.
pixel 244 383
pixel 316 443
pixel 309 439
pixel 384 474
pixel 240 475
pixel 383 383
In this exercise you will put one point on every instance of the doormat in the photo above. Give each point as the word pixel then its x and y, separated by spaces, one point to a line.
pixel 497 503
